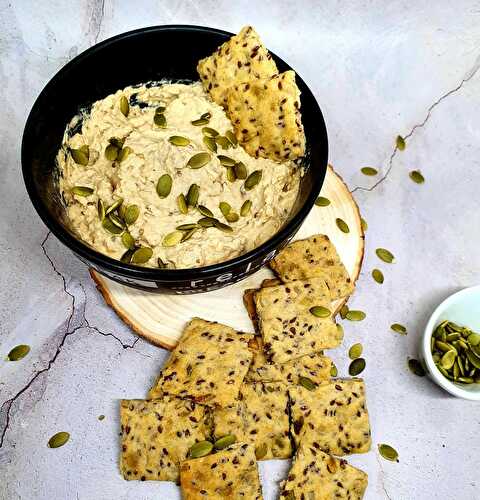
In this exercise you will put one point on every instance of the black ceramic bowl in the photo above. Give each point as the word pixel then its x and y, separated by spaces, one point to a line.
pixel 155 53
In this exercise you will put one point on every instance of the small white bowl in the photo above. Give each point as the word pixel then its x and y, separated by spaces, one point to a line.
pixel 462 308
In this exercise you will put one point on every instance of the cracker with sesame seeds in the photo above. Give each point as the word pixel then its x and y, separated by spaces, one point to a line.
pixel 157 434
pixel 231 473
pixel 314 257
pixel 243 58
pixel 317 475
pixel 288 328
pixel 265 114
pixel 208 365
pixel 333 417
pixel 259 417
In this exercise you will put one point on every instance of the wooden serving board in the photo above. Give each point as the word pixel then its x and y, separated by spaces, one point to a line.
pixel 160 319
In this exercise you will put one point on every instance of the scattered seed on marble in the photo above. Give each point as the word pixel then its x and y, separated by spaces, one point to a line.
pixel 342 225
pixel 321 201
pixel 378 276
pixel 400 142
pixel 387 452
pixel 18 352
pixel 58 439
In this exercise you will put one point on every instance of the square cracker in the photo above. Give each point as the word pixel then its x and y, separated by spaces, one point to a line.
pixel 333 417
pixel 314 366
pixel 260 418
pixel 156 436
pixel 231 473
pixel 243 58
pixel 208 365
pixel 314 257
pixel 315 474
pixel 265 114
pixel 288 328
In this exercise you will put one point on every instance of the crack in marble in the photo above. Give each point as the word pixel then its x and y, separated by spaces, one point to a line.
pixel 382 478
pixel 96 19
pixel 470 74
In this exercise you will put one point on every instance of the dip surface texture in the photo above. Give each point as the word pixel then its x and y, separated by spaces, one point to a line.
pixel 135 178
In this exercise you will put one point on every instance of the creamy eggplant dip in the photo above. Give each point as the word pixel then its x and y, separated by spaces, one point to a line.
pixel 152 175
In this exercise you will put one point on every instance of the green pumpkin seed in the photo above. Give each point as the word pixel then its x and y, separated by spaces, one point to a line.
pixel 126 258
pixel 231 177
pixel 178 140
pixel 108 225
pixel 111 152
pixel 474 339
pixel 320 311
pixel 472 358
pixel 199 160
pixel 385 255
pixel 387 452
pixel 224 208
pixel 188 234
pixel 231 137
pixel 398 328
pixel 333 370
pixel 416 367
pixel 206 222
pixel 223 142
pixel 124 106
pixel 448 359
pixel 210 143
pixel 128 240
pixel 246 207
pixel 226 161
pixel 58 439
pixel 100 209
pixel 210 132
pixel 160 120
pixel 200 449
pixel 222 227
pixel 400 142
pixel 116 220
pixel 452 336
pixel 356 367
pixel 232 217
pixel 417 177
pixel 342 225
pixel 476 350
pixel 206 212
pixel 355 351
pixel 240 171
pixel 18 352
pixel 199 122
pixel 182 204
pixel 369 171
pixel 224 442
pixel 364 224
pixel 465 380
pixel 378 276
pixel 116 204
pixel 192 195
pixel 455 370
pixel 187 227
pixel 81 156
pixel 142 255
pixel 206 116
pixel 160 110
pixel 321 201
pixel 343 311
pixel 131 214
pixel 164 185
pixel 307 383
pixel 261 451
pixel 124 153
pixel 82 190
pixel 252 180
pixel 101 417
pixel 444 346
pixel 355 315
pixel 172 239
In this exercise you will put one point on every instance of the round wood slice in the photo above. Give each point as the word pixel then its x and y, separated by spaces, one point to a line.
pixel 161 318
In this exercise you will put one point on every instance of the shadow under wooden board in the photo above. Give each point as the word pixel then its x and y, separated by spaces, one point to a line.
pixel 160 319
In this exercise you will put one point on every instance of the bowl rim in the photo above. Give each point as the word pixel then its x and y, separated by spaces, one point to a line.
pixel 106 263
pixel 443 382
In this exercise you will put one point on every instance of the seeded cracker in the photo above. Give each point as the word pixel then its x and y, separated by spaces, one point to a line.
pixel 288 328
pixel 231 473
pixel 319 476
pixel 266 117
pixel 243 58
pixel 314 257
pixel 333 417
pixel 156 436
pixel 260 418
pixel 208 365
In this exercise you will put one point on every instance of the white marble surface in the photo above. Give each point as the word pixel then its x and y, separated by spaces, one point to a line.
pixel 378 69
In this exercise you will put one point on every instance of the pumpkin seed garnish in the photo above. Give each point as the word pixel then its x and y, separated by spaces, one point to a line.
pixel 206 212
pixel 128 240
pixel 343 311
pixel 187 227
pixel 416 367
pixel 82 190
pixel 448 359
pixel 172 239
pixel 321 201
pixel 116 204
pixel 101 417
pixel 210 132
pixel 199 160
pixel 398 328
pixel 385 255
pixel 206 116
pixel 307 383
pixel 355 315
pixel 223 142
pixel 210 143
pixel 400 142
pixel 160 120
pixel 356 367
pixel 232 217
pixel 240 171
pixel 342 225
pixel 224 442
pixel 416 176
pixel 126 258
pixel 377 275
pixel 124 153
pixel 199 121
pixel 246 207
pixel 18 352
pixel 320 311
pixel 142 255
pixel 192 195
pixel 164 185
pixel 261 451
pixel 206 222
pixel 333 370
pixel 188 234
pixel 182 203
pixel 226 161
pixel 131 214
pixel 111 227
pixel 81 155
pixel 231 137
pixel 159 110
pixel 231 177
pixel 223 227
pixel 200 449
pixel 364 224
pixel 369 171
pixel 355 351
pixel 124 106
pixel 100 209
pixel 387 452
pixel 224 208
pixel 178 140
pixel 111 152
pixel 58 439
pixel 116 220
pixel 252 180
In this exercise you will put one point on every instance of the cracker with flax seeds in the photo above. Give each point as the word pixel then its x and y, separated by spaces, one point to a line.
pixel 230 473
pixel 288 327
pixel 266 117
pixel 243 58
pixel 157 434
pixel 333 417
pixel 317 475
pixel 258 417
pixel 208 365
pixel 314 257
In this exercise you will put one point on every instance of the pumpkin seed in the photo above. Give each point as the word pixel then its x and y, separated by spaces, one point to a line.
pixel 128 240
pixel 261 451
pixel 343 311
pixel 200 449
pixel 142 255
pixel 116 220
pixel 182 203
pixel 452 336
pixel 206 222
pixel 116 204
pixel 355 351
pixel 160 110
pixel 364 224
pixel 474 360
pixel 164 185
pixel 172 239
pixel 400 142
pixel 124 153
pixel 240 171
pixel 188 234
pixel 417 177
pixel 369 171
pixel 342 225
pixel 100 209
pixel 124 106
pixel 160 120
pixel 356 367
pixel 82 190
pixel 209 132
pixel 474 339
pixel 206 212
pixel 108 225
pixel 378 276
pixel 307 383
pixel 131 214
pixel 226 161
pixel 81 155
pixel 398 328
pixel 187 227
pixel 321 201
pixel 444 346
pixel 385 255
pixel 58 439
pixel 199 121
pixel 206 116
pixel 224 442
pixel 101 417
pixel 320 311
pixel 199 160
pixel 232 217
pixel 18 352
pixel 333 370
pixel 252 180
pixel 231 177
pixel 161 264
pixel 210 143
pixel 223 227
pixel 111 152
pixel 355 315
pixel 448 359
pixel 245 208
pixel 223 142
pixel 387 452
pixel 416 367
pixel 178 140
pixel 231 137
pixel 224 208
pixel 126 258
pixel 192 195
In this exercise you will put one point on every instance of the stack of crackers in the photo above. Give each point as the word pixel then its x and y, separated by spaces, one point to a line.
pixel 227 399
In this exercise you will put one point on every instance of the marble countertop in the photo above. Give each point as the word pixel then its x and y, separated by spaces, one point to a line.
pixel 378 69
